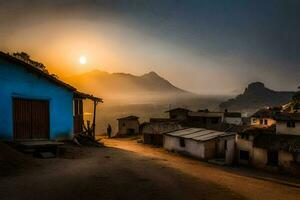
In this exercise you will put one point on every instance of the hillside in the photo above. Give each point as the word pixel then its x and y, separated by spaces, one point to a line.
pixel 124 87
pixel 256 96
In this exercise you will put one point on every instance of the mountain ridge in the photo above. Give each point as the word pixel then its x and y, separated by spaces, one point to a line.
pixel 122 86
pixel 255 96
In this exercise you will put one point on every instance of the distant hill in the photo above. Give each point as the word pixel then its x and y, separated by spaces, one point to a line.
pixel 122 87
pixel 256 96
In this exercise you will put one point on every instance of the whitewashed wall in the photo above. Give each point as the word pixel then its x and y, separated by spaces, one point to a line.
pixel 281 128
pixel 233 120
pixel 192 147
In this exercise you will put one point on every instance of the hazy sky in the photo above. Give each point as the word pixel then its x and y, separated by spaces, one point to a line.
pixel 205 46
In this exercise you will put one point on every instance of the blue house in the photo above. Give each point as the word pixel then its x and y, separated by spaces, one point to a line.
pixel 35 105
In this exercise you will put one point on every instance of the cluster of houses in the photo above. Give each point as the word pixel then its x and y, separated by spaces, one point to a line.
pixel 37 106
pixel 269 140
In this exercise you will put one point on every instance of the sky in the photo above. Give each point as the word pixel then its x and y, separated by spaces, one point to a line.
pixel 204 46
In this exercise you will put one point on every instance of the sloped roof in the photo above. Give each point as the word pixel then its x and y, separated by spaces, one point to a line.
pixel 178 109
pixel 284 116
pixel 35 70
pixel 265 113
pixel 131 117
pixel 87 96
pixel 199 134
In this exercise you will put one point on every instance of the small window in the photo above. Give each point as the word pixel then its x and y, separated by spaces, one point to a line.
pixel 225 145
pixel 244 155
pixel 272 157
pixel 254 121
pixel 182 142
pixel 265 122
pixel 124 124
pixel 291 124
pixel 261 121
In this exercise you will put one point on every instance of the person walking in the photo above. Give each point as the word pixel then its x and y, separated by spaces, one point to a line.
pixel 108 130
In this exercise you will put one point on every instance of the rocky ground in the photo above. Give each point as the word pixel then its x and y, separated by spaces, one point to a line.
pixel 125 169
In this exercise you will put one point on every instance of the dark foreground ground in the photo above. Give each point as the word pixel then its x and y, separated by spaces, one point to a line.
pixel 127 170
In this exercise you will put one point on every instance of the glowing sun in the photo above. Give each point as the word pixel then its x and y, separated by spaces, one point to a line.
pixel 82 60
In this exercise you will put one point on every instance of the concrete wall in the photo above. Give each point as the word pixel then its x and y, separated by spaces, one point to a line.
pixel 233 120
pixel 178 114
pixel 16 81
pixel 281 128
pixel 260 157
pixel 245 145
pixel 230 151
pixel 192 147
pixel 202 150
pixel 124 125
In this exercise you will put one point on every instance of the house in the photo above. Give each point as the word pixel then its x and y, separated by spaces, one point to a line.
pixel 36 105
pixel 128 126
pixel 153 131
pixel 288 123
pixel 202 143
pixel 178 114
pixel 264 117
pixel 267 149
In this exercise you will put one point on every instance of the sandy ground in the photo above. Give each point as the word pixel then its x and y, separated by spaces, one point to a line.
pixel 127 170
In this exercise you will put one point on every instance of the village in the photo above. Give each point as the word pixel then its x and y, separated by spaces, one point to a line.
pixel 42 123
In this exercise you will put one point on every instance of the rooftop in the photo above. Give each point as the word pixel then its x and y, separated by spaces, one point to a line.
pixel 131 117
pixel 199 134
pixel 284 116
pixel 178 109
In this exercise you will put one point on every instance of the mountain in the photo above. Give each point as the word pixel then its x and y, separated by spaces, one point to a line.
pixel 126 88
pixel 256 96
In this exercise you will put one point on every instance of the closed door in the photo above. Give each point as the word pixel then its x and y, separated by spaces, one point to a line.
pixel 30 119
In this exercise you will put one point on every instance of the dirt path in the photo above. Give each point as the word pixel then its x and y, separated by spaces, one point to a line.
pixel 127 170
pixel 232 179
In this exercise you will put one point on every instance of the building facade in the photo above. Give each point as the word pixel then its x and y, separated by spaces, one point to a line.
pixel 128 126
pixel 202 144
pixel 34 105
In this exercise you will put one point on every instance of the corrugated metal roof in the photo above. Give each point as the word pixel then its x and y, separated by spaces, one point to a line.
pixel 199 134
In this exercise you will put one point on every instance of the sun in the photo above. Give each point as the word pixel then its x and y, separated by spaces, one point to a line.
pixel 82 60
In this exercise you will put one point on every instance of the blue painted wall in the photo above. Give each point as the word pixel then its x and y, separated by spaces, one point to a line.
pixel 16 81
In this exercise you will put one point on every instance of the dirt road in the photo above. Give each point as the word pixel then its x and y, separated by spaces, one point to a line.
pixel 127 170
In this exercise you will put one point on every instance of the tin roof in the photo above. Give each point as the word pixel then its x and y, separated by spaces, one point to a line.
pixel 199 134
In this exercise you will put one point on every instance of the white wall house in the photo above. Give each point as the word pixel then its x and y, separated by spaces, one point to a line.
pixel 128 126
pixel 288 123
pixel 202 143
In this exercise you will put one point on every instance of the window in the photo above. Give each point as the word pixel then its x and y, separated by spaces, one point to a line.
pixel 182 142
pixel 244 155
pixel 272 157
pixel 265 122
pixel 254 121
pixel 124 124
pixel 291 124
pixel 261 121
pixel 225 145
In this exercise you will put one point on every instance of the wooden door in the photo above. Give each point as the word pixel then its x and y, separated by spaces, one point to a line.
pixel 31 119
